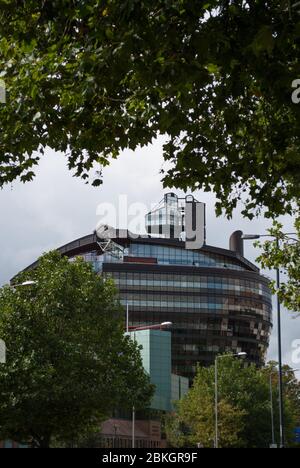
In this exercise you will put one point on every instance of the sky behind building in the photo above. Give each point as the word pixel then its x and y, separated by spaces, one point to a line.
pixel 57 208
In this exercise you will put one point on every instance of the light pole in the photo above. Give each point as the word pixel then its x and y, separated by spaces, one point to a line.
pixel 115 435
pixel 133 427
pixel 20 285
pixel 127 317
pixel 160 326
pixel 272 411
pixel 278 284
pixel 272 405
pixel 216 393
pixel 281 403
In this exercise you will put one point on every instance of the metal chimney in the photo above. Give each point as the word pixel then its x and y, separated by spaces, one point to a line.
pixel 236 243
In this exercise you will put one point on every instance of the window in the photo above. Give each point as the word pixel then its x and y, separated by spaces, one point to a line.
pixel 180 256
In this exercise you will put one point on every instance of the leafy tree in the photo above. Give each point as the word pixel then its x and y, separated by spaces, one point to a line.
pixel 286 257
pixel 92 78
pixel 195 424
pixel 244 408
pixel 291 399
pixel 68 361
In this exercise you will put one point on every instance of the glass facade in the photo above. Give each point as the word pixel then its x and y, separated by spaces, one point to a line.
pixel 210 314
pixel 156 357
pixel 217 301
pixel 156 353
pixel 181 256
pixel 180 387
pixel 166 256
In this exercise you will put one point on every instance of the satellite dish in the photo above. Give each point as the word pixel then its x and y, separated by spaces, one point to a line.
pixel 104 231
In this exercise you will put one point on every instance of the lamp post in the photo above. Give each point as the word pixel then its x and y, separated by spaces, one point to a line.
pixel 281 403
pixel 278 284
pixel 160 326
pixel 115 435
pixel 216 393
pixel 20 285
pixel 272 406
pixel 133 427
pixel 272 411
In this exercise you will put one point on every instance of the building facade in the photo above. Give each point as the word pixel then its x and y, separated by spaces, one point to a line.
pixel 217 300
pixel 117 433
pixel 156 354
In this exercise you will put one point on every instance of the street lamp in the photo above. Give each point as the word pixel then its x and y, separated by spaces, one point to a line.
pixel 127 317
pixel 159 326
pixel 278 284
pixel 146 327
pixel 115 435
pixel 216 393
pixel 272 406
pixel 133 427
pixel 24 284
pixel 27 283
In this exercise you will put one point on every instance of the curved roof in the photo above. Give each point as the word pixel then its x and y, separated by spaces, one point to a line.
pixel 90 243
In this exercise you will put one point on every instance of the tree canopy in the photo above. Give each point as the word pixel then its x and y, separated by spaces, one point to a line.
pixel 69 364
pixel 244 407
pixel 286 257
pixel 93 77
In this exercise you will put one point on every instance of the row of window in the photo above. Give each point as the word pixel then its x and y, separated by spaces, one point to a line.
pixel 116 442
pixel 193 301
pixel 189 303
pixel 173 281
pixel 238 333
pixel 199 321
pixel 165 256
pixel 187 315
pixel 190 281
pixel 180 256
pixel 183 285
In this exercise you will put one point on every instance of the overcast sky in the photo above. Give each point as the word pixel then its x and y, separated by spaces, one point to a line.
pixel 57 208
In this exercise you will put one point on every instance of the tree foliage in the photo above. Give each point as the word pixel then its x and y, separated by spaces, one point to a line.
pixel 93 77
pixel 291 387
pixel 244 408
pixel 194 423
pixel 68 362
pixel 286 257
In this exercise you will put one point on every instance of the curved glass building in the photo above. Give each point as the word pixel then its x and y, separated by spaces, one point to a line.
pixel 216 300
